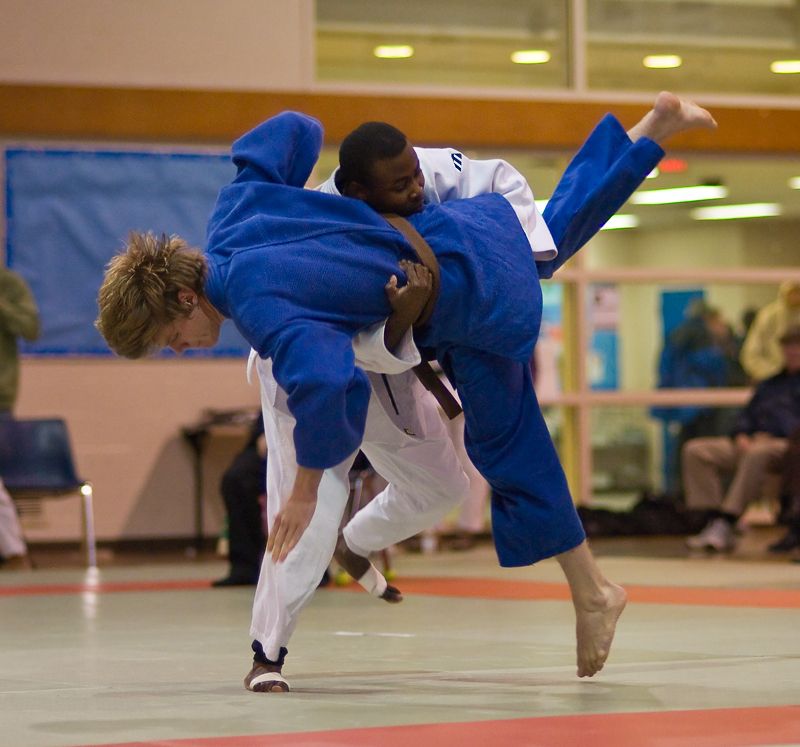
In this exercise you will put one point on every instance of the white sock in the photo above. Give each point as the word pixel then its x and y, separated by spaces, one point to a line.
pixel 373 581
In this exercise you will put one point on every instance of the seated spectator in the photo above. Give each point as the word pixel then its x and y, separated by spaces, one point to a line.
pixel 242 487
pixel 756 446
pixel 701 352
pixel 791 497
pixel 761 353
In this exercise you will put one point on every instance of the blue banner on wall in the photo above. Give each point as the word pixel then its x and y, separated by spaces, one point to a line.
pixel 69 211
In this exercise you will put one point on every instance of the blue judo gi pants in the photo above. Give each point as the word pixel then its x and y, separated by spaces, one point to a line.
pixel 506 437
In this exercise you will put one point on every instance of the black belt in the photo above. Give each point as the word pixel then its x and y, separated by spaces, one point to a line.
pixel 424 372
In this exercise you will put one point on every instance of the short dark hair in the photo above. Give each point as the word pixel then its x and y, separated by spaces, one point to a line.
pixel 368 143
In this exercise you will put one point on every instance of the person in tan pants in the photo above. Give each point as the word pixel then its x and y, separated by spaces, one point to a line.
pixel 755 448
pixel 790 492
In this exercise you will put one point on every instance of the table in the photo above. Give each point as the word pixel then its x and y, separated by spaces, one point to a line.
pixel 212 424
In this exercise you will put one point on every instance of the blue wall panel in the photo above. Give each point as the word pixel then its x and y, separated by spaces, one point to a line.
pixel 69 211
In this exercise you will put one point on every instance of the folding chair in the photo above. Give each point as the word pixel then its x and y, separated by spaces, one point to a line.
pixel 36 462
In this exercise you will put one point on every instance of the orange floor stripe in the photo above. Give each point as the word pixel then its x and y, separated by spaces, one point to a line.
pixel 490 588
pixel 473 588
pixel 103 587
pixel 721 727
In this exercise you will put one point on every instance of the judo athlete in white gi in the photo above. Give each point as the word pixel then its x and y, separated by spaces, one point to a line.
pixel 404 438
pixel 301 273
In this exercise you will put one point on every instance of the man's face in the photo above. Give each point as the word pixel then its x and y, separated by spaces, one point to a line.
pixel 396 184
pixel 791 354
pixel 198 330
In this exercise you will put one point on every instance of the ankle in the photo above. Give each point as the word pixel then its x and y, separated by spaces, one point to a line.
pixel 259 657
pixel 728 518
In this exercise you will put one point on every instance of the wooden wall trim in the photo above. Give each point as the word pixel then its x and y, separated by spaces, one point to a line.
pixel 212 116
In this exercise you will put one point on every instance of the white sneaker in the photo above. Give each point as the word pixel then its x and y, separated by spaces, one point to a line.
pixel 718 536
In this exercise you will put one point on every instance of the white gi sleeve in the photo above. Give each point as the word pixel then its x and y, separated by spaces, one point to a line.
pixel 328 187
pixel 372 354
pixel 450 175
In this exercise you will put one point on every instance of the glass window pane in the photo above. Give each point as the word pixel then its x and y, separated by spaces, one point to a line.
pixel 625 454
pixel 712 317
pixel 466 43
pixel 723 47
pixel 634 452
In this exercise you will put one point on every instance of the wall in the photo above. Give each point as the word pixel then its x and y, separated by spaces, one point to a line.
pixel 236 44
pixel 203 70
pixel 125 419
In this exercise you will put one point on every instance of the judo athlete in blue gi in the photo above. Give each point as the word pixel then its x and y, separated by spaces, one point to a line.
pixel 301 273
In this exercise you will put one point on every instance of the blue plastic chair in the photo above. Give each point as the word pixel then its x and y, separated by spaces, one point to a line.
pixel 36 462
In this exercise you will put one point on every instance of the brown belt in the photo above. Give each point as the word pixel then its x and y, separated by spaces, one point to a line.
pixel 423 371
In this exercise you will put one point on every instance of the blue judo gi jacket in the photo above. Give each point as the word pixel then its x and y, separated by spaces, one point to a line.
pixel 301 272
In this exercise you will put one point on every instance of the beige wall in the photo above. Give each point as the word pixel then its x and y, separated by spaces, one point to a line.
pixel 235 44
pixel 236 57
pixel 125 419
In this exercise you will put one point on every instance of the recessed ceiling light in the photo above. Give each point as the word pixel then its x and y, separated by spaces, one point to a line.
pixel 653 174
pixel 785 66
pixel 732 212
pixel 530 56
pixel 679 194
pixel 541 205
pixel 794 182
pixel 662 61
pixel 393 51
pixel 620 221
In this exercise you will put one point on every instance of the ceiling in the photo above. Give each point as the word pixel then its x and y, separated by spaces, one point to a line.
pixel 726 46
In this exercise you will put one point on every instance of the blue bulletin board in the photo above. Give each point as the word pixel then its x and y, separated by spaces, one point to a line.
pixel 69 211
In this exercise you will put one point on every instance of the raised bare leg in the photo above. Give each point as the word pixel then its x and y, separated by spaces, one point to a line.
pixel 669 116
pixel 598 604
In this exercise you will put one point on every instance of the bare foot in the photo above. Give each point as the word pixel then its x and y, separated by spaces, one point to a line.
pixel 595 626
pixel 669 116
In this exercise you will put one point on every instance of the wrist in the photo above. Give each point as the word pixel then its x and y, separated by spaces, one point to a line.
pixel 306 483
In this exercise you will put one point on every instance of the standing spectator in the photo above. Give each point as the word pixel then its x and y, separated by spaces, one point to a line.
pixel 19 317
pixel 761 352
pixel 243 486
pixel 756 446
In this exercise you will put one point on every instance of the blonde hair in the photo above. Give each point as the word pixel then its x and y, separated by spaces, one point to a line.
pixel 139 294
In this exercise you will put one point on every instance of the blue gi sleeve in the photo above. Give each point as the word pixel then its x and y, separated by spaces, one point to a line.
pixel 604 173
pixel 282 150
pixel 327 394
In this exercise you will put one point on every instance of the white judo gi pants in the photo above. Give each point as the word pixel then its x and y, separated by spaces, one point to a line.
pixel 425 478
pixel 11 539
